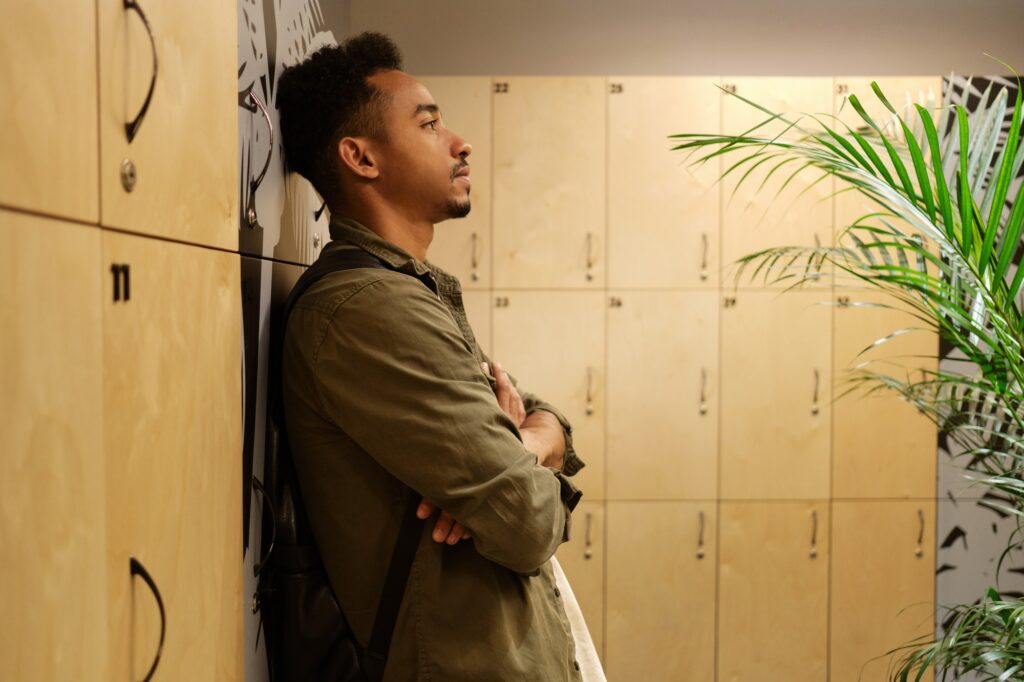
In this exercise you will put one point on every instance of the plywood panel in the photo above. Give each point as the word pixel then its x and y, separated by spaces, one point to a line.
pixel 763 212
pixel 663 212
pixel 663 395
pixel 882 446
pixel 661 591
pixel 50 144
pixel 883 584
pixel 463 246
pixel 549 182
pixel 776 393
pixel 583 560
pixel 773 603
pixel 52 490
pixel 553 342
pixel 172 398
pixel 185 151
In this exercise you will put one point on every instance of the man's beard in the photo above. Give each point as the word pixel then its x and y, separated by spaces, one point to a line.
pixel 457 208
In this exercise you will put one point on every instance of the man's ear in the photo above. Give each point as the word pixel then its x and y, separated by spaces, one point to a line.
pixel 357 155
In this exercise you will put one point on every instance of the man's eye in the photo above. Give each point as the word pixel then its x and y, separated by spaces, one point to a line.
pixel 432 124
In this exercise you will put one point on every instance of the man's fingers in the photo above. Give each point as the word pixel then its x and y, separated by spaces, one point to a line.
pixel 425 509
pixel 456 533
pixel 443 527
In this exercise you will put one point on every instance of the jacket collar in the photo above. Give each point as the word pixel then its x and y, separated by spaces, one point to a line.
pixel 352 232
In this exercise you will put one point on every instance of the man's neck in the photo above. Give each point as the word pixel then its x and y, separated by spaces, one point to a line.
pixel 413 237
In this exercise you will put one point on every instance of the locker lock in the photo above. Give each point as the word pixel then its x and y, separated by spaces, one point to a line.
pixel 128 175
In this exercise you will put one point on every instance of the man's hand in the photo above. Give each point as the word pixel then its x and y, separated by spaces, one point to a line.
pixel 541 432
pixel 447 529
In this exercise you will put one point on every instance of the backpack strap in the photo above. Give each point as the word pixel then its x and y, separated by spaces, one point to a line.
pixel 375 656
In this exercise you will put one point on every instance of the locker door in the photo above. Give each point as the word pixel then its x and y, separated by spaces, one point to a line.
pixel 661 591
pixel 553 343
pixel 549 182
pixel 882 446
pixel 50 145
pixel 172 396
pixel 663 213
pixel 663 395
pixel 773 604
pixel 883 584
pixel 52 523
pixel 181 164
pixel 583 559
pixel 776 381
pixel 463 246
pixel 756 217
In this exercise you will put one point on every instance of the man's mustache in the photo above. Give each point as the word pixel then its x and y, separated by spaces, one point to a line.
pixel 458 167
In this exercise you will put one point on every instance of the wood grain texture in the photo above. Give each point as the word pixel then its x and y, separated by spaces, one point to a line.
pixel 52 486
pixel 172 396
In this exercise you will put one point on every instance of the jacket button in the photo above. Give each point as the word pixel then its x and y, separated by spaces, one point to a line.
pixel 558 593
pixel 576 664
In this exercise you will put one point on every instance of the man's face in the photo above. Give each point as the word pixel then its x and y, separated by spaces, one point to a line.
pixel 423 166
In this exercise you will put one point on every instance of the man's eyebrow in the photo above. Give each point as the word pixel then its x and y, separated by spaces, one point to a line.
pixel 432 108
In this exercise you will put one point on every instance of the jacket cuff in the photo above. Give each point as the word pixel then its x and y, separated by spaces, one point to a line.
pixel 571 463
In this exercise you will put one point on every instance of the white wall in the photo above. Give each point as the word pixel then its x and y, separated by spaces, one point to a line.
pixel 726 37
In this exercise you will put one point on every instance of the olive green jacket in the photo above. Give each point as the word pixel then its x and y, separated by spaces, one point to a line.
pixel 383 391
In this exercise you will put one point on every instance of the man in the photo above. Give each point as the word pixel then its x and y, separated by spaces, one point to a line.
pixel 385 389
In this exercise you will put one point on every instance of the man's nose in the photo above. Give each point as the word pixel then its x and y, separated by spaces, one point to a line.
pixel 461 147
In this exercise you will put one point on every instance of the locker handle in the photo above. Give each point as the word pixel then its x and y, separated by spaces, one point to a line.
pixel 132 127
pixel 700 537
pixel 590 391
pixel 919 552
pixel 590 255
pixel 814 534
pixel 814 398
pixel 588 554
pixel 254 184
pixel 703 390
pixel 704 257
pixel 474 260
pixel 138 569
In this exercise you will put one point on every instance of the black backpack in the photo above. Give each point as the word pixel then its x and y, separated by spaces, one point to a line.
pixel 307 636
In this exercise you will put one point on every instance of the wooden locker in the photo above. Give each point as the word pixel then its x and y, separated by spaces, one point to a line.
pixel 882 447
pixel 663 212
pixel 463 246
pixel 182 163
pixel 52 522
pixel 50 145
pixel 883 585
pixel 172 388
pixel 756 217
pixel 478 310
pixel 553 342
pixel 661 591
pixel 662 395
pixel 549 182
pixel 773 596
pixel 583 559
pixel 776 395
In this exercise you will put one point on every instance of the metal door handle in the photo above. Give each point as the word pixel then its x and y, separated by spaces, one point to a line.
pixel 814 533
pixel 704 258
pixel 588 554
pixel 474 260
pixel 919 552
pixel 138 569
pixel 254 184
pixel 700 536
pixel 132 127
pixel 815 409
pixel 590 256
pixel 703 390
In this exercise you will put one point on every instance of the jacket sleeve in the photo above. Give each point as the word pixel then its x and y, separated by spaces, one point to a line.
pixel 571 463
pixel 394 372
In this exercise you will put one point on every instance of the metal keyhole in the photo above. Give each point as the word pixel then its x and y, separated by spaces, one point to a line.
pixel 128 175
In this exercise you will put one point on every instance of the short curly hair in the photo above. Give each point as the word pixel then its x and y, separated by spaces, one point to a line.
pixel 327 97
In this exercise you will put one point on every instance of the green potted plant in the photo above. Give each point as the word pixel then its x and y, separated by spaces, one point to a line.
pixel 942 243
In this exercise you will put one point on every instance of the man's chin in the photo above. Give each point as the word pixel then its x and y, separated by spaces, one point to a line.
pixel 457 209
